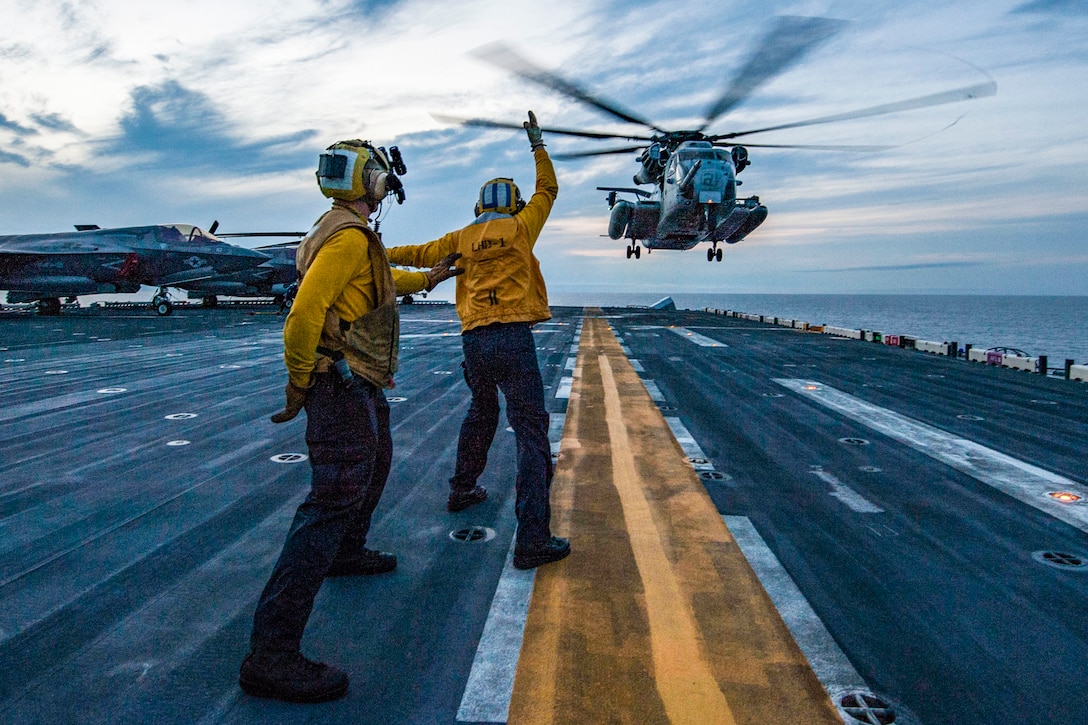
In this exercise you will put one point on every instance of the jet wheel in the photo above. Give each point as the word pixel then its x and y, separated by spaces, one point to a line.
pixel 163 307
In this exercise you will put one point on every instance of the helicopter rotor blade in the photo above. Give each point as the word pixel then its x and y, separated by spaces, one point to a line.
pixel 486 123
pixel 603 152
pixel 966 93
pixel 810 147
pixel 790 38
pixel 501 55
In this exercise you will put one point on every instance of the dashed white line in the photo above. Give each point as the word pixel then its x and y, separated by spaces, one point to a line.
pixel 1023 481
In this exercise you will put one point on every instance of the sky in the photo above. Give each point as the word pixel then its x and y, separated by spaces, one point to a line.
pixel 122 113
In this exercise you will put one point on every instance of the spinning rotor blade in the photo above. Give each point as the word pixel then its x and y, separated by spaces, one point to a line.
pixel 485 123
pixel 502 56
pixel 811 147
pixel 790 38
pixel 966 93
pixel 605 152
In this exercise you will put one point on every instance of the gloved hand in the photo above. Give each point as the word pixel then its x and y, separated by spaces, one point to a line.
pixel 296 398
pixel 536 138
pixel 443 270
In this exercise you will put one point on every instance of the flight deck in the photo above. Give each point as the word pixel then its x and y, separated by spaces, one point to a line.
pixel 768 525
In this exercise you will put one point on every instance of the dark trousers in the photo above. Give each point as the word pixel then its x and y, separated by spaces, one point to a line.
pixel 347 433
pixel 503 357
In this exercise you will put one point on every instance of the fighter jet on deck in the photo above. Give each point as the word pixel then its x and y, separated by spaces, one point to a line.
pixel 276 278
pixel 47 267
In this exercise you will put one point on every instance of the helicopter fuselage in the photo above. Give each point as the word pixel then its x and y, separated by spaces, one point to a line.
pixel 695 200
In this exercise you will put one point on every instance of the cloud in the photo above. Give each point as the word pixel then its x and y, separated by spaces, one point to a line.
pixel 1055 7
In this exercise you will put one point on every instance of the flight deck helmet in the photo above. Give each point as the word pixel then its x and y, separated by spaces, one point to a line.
pixel 499 195
pixel 356 169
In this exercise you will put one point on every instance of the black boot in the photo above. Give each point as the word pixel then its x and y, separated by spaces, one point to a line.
pixel 290 676
pixel 369 562
pixel 545 552
pixel 461 500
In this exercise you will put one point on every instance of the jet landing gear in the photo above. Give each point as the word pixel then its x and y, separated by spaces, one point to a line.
pixel 713 254
pixel 49 306
pixel 161 303
pixel 634 250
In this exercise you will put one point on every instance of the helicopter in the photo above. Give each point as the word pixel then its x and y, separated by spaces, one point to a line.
pixel 692 173
pixel 43 268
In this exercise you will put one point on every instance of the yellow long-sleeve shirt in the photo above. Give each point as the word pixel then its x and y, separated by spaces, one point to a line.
pixel 340 278
pixel 502 280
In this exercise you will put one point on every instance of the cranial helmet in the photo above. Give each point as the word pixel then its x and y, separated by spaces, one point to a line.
pixel 351 170
pixel 500 195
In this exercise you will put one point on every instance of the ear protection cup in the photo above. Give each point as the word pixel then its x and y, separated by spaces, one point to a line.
pixel 354 169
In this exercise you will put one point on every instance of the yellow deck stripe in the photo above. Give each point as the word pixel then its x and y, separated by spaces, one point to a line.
pixel 656 616
pixel 688 690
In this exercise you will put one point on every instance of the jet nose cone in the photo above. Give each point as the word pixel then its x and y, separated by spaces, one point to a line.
pixel 239 258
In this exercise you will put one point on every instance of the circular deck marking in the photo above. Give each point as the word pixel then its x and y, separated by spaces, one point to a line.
pixel 854 441
pixel 865 707
pixel 970 417
pixel 396 399
pixel 111 390
pixel 289 458
pixel 667 408
pixel 177 443
pixel 180 416
pixel 1062 560
pixel 472 534
pixel 715 476
pixel 697 461
pixel 55 372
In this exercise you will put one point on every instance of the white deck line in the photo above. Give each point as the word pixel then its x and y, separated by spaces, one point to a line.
pixel 698 339
pixel 689 445
pixel 655 392
pixel 1023 481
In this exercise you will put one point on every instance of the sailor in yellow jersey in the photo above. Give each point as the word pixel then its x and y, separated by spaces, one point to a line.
pixel 340 348
pixel 499 297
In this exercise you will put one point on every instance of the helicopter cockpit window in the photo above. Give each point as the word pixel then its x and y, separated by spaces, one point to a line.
pixel 687 158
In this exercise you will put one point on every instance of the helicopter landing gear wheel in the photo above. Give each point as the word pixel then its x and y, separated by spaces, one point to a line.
pixel 718 254
pixel 710 255
pixel 638 252
pixel 629 251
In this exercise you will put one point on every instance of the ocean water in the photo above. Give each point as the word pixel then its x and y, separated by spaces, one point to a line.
pixel 1053 326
